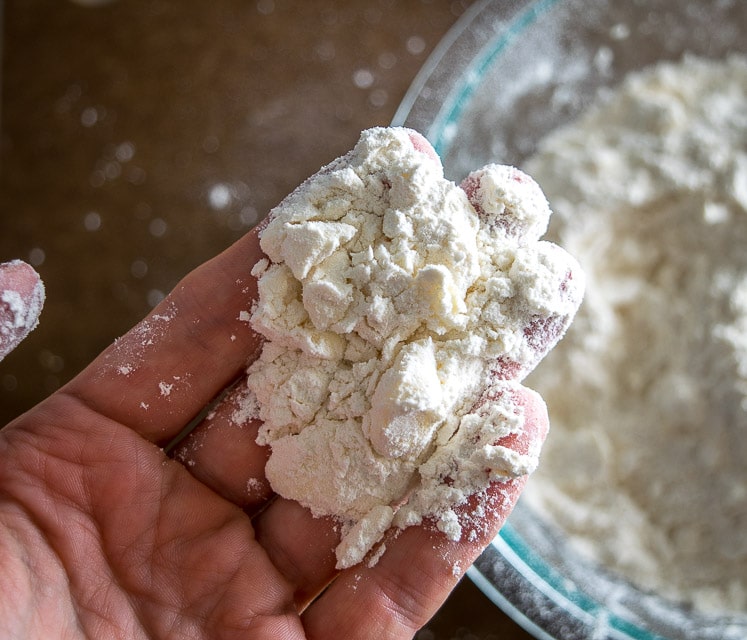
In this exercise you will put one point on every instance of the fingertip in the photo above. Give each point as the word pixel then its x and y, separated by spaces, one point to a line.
pixel 485 512
pixel 421 144
pixel 529 439
pixel 509 201
pixel 536 419
pixel 22 297
pixel 19 276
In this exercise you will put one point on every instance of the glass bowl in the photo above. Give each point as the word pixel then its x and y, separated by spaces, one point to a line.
pixel 506 75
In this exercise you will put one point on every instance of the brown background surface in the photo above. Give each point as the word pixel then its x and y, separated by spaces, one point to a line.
pixel 141 137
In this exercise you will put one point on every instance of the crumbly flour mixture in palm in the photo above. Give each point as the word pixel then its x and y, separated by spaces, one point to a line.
pixel 645 463
pixel 400 311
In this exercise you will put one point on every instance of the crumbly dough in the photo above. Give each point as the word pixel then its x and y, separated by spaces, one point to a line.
pixel 645 462
pixel 399 312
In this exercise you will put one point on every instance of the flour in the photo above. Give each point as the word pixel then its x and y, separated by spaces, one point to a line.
pixel 400 311
pixel 645 462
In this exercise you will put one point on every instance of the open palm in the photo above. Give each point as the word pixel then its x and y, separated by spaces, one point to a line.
pixel 105 532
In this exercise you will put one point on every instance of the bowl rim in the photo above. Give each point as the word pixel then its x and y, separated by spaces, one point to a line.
pixel 472 53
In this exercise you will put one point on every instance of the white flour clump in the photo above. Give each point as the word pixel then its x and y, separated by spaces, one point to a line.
pixel 399 317
pixel 646 461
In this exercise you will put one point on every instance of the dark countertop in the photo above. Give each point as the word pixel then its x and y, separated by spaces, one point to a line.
pixel 141 137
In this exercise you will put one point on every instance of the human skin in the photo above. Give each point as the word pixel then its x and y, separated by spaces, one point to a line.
pixel 20 279
pixel 106 533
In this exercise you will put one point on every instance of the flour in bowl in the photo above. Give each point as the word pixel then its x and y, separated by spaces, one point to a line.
pixel 645 464
pixel 400 312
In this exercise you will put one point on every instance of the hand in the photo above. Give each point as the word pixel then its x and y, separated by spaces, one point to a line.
pixel 104 535
pixel 21 301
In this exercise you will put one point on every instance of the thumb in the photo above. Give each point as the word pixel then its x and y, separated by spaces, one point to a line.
pixel 21 302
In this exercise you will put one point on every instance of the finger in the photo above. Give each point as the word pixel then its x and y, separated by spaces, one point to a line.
pixel 222 452
pixel 509 200
pixel 21 302
pixel 420 566
pixel 422 145
pixel 158 376
pixel 549 281
pixel 550 287
pixel 300 546
pixel 397 596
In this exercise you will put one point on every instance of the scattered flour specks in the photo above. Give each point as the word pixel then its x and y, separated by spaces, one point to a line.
pixel 246 407
pixel 128 354
pixel 165 388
